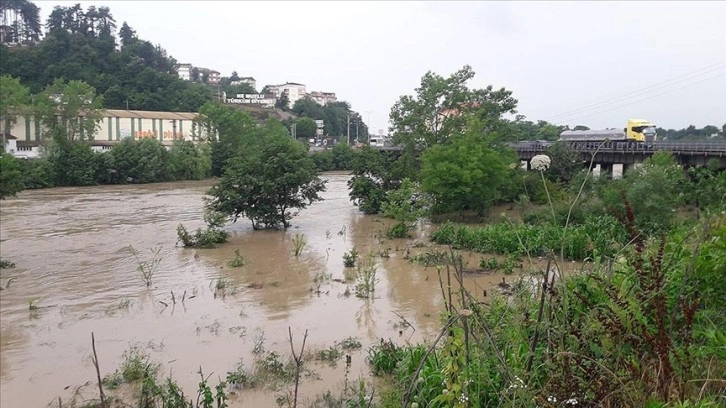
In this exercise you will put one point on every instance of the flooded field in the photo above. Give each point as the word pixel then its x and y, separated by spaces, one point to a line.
pixel 74 275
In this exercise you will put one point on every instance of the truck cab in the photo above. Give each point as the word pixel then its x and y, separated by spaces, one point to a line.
pixel 640 130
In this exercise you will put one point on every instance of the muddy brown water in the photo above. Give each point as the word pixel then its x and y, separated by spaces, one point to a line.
pixel 72 265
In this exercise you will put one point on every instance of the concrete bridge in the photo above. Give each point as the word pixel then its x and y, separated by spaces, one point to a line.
pixel 616 157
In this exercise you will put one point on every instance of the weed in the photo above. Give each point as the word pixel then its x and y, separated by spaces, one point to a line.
pixel 322 277
pixel 433 258
pixel 6 264
pixel 147 269
pixel 384 357
pixel 237 261
pixel 350 258
pixel 241 377
pixel 299 242
pixel 366 282
pixel 490 264
pixel 33 305
pixel 136 364
pixel 350 343
pixel 386 253
pixel 259 343
pixel 330 354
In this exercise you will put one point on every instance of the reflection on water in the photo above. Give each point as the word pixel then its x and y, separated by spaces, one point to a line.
pixel 70 248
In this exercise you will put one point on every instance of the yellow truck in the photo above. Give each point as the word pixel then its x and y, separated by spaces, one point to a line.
pixel 637 130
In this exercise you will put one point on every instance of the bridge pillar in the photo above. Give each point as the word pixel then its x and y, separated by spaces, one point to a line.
pixel 618 170
pixel 606 169
pixel 525 164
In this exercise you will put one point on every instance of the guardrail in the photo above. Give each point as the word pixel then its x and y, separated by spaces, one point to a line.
pixel 700 147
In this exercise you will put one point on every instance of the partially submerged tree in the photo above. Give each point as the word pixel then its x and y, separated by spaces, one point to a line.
pixel 11 179
pixel 268 183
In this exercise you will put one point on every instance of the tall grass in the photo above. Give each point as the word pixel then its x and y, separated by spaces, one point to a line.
pixel 602 235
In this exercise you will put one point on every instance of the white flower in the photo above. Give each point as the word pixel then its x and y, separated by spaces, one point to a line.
pixel 571 401
pixel 414 405
pixel 551 399
pixel 540 162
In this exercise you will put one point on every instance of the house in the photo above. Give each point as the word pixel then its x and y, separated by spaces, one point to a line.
pixel 184 71
pixel 246 80
pixel 213 77
pixel 294 91
pixel 323 98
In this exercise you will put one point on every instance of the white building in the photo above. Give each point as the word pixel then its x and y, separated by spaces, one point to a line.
pixel 185 71
pixel 246 80
pixel 293 90
pixel 26 135
pixel 323 98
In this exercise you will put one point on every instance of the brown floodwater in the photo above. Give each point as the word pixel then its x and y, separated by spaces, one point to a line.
pixel 73 266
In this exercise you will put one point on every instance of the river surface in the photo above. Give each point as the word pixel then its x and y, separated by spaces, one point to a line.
pixel 74 275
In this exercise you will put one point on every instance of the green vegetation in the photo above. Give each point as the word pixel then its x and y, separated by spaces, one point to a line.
pixel 299 241
pixel 268 181
pixel 237 261
pixel 11 177
pixel 82 45
pixel 350 258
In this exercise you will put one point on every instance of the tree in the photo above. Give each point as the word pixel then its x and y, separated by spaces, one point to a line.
pixel 468 173
pixel 267 184
pixel 283 102
pixel 233 129
pixel 442 107
pixel 127 35
pixel 74 106
pixel 565 162
pixel 234 76
pixel 21 20
pixel 11 178
pixel 653 191
pixel 581 127
pixel 406 205
pixel 305 128
pixel 14 102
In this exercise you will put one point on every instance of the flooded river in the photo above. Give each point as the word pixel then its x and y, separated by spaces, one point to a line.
pixel 74 275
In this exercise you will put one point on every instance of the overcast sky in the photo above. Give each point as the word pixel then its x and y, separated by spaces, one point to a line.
pixel 593 63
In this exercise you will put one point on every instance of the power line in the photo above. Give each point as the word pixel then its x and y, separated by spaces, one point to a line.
pixel 648 97
pixel 673 81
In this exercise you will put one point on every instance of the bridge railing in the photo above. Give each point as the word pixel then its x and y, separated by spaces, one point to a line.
pixel 704 147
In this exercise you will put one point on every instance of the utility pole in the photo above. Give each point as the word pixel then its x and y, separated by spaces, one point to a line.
pixel 356 133
pixel 348 129
pixel 294 131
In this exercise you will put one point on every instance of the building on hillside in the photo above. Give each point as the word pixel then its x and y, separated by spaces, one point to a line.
pixel 323 98
pixel 116 125
pixel 293 90
pixel 246 80
pixel 184 71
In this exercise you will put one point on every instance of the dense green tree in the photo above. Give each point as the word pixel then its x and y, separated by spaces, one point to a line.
pixel 468 173
pixel 137 162
pixel 268 184
pixel 283 102
pixel 73 163
pixel 305 128
pixel 126 34
pixel 11 177
pixel 81 45
pixel 74 106
pixel 189 161
pixel 14 102
pixel 565 162
pixel 442 107
pixel 406 205
pixel 21 21
pixel 653 191
pixel 232 129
